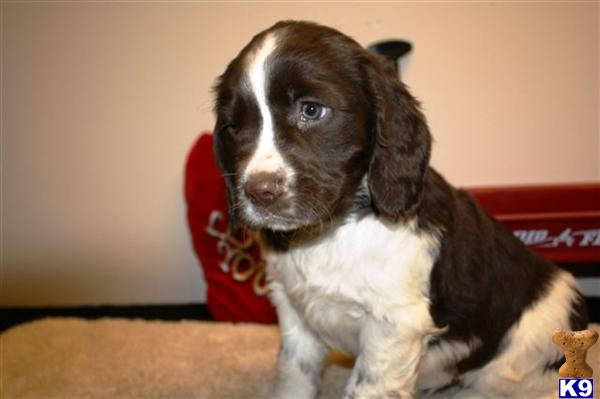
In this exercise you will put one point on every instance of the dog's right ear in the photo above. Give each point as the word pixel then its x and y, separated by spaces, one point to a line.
pixel 226 167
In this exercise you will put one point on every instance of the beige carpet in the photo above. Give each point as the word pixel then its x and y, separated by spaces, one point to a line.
pixel 125 359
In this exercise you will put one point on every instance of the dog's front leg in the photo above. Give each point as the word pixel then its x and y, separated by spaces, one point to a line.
pixel 386 367
pixel 301 354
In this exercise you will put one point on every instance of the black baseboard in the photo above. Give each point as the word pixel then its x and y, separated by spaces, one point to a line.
pixel 593 308
pixel 12 316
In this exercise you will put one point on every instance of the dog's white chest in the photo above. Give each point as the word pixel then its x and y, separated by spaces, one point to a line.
pixel 363 269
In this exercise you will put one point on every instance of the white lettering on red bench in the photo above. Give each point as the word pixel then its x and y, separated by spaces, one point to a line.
pixel 542 238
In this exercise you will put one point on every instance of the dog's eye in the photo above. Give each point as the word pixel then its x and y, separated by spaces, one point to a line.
pixel 313 111
pixel 227 128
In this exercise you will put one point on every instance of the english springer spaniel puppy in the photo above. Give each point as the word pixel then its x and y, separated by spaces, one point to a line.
pixel 370 250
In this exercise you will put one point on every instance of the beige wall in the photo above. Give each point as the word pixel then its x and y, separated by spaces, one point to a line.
pixel 101 103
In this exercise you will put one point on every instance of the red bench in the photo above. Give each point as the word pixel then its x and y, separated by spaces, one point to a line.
pixel 560 222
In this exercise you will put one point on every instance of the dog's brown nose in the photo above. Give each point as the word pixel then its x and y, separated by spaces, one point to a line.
pixel 264 188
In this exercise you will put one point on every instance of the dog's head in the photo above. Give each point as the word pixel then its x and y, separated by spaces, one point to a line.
pixel 306 117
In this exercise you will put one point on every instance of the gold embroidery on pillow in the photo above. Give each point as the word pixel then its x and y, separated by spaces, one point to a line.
pixel 237 253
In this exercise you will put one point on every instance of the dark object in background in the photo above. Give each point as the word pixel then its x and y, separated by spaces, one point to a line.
pixel 393 50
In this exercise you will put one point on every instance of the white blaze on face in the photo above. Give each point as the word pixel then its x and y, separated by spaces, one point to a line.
pixel 266 157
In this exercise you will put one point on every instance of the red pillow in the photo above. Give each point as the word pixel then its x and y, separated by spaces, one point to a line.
pixel 233 267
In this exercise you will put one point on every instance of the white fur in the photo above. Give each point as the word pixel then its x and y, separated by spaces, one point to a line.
pixel 362 289
pixel 302 347
pixel 433 369
pixel 266 157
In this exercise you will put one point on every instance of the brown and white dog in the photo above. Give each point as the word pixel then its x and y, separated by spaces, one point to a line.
pixel 370 250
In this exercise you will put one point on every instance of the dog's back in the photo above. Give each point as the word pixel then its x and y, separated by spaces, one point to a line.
pixel 497 297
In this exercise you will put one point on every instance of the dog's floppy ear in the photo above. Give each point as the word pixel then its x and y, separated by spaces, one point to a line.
pixel 401 142
pixel 226 169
